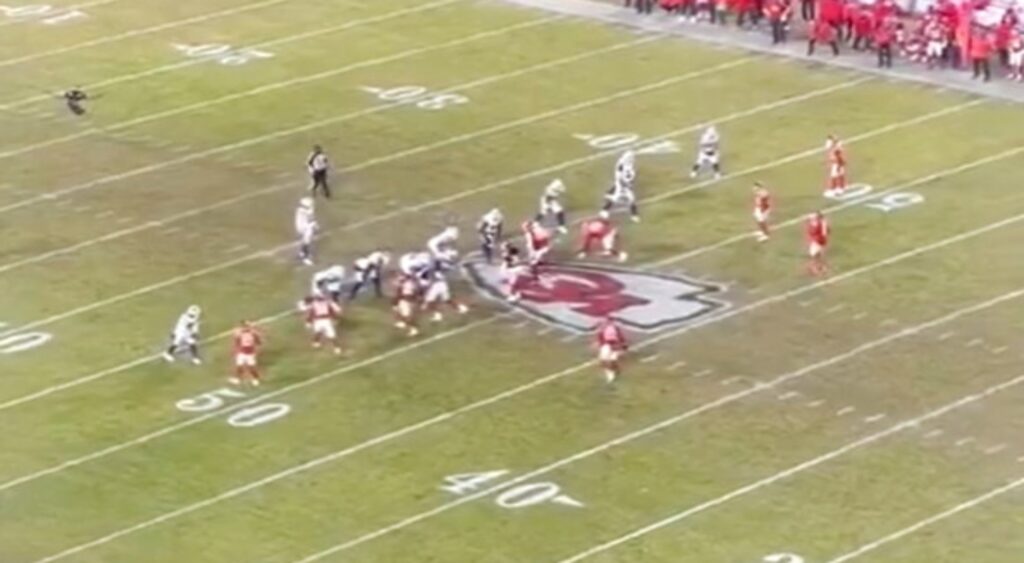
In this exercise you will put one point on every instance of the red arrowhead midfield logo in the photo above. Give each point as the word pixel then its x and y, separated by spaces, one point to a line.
pixel 578 296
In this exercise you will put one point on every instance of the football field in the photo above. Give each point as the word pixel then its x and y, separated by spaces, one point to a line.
pixel 763 416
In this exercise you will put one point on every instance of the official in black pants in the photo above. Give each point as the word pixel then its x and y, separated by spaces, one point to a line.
pixel 318 166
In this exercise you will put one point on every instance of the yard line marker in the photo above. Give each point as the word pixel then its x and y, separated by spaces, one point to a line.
pixel 874 418
pixel 845 411
pixel 677 365
pixel 964 441
pixel 789 395
pixel 418 208
pixel 947 335
pixel 904 532
pixel 781 475
pixel 815 404
pixel 935 433
pixel 999 350
pixel 273 42
pixel 995 449
pixel 649 359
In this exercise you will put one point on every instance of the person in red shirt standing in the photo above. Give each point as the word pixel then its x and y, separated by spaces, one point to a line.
pixel 1003 35
pixel 863 26
pixel 836 167
pixel 762 211
pixel 885 36
pixel 611 345
pixel 822 32
pixel 538 244
pixel 247 344
pixel 817 239
pixel 980 50
pixel 777 14
pixel 321 315
pixel 601 231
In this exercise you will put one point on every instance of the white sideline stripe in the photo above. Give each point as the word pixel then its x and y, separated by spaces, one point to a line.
pixel 137 32
pixel 561 374
pixel 900 534
pixel 279 41
pixel 103 180
pixel 277 86
pixel 395 156
pixel 906 424
pixel 429 204
pixel 255 399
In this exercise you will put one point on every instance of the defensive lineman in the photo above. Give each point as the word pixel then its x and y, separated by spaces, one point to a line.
pixel 489 228
pixel 370 268
pixel 305 229
pixel 185 335
pixel 621 192
pixel 318 165
pixel 707 154
pixel 551 204
pixel 438 292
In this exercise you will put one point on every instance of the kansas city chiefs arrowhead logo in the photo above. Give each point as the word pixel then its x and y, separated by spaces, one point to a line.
pixel 578 296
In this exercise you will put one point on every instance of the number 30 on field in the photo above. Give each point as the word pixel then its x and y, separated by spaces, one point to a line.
pixel 245 418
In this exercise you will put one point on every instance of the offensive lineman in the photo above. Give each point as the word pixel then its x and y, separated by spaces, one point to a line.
pixel 551 204
pixel 369 268
pixel 305 229
pixel 621 192
pixel 489 228
pixel 185 335
pixel 707 154
pixel 328 283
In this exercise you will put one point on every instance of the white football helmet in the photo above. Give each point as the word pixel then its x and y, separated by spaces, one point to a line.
pixel 556 187
pixel 451 233
pixel 494 216
pixel 627 160
pixel 306 203
pixel 337 271
pixel 194 311
pixel 710 135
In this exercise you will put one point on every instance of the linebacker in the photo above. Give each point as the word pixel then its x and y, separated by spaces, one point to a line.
pixel 369 268
pixel 707 154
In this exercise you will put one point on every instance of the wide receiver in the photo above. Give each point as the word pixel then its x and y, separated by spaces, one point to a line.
pixel 836 167
pixel 305 229
pixel 611 345
pixel 817 239
pixel 762 211
pixel 247 344
pixel 601 231
pixel 321 315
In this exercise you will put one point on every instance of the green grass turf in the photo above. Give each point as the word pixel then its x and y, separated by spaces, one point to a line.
pixel 96 451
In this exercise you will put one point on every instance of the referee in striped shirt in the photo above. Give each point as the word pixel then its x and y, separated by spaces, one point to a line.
pixel 318 165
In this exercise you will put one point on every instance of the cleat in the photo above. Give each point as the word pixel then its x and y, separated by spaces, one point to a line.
pixel 400 325
pixel 581 255
pixel 693 174
pixel 562 229
pixel 413 332
pixel 623 257
pixel 307 262
pixel 316 344
pixel 718 175
pixel 337 351
pixel 437 317
pixel 234 381
pixel 463 309
pixel 255 382
pixel 196 361
pixel 609 376
pixel 168 358
pixel 635 218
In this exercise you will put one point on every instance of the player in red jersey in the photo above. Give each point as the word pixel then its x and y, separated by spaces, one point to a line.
pixel 836 167
pixel 762 211
pixel 248 342
pixel 817 240
pixel 407 303
pixel 538 243
pixel 600 230
pixel 321 315
pixel 611 344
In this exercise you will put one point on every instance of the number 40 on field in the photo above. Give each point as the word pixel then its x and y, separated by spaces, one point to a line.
pixel 522 495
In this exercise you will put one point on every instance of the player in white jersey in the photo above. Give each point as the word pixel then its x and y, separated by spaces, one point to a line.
pixel 489 229
pixel 707 153
pixel 328 283
pixel 185 335
pixel 438 292
pixel 370 268
pixel 305 229
pixel 551 204
pixel 416 266
pixel 442 245
pixel 621 192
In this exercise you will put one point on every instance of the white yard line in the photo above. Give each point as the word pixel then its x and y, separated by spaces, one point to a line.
pixel 318 124
pixel 351 24
pixel 138 32
pixel 418 208
pixel 396 155
pixel 274 86
pixel 448 415
pixel 902 533
pixel 906 424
